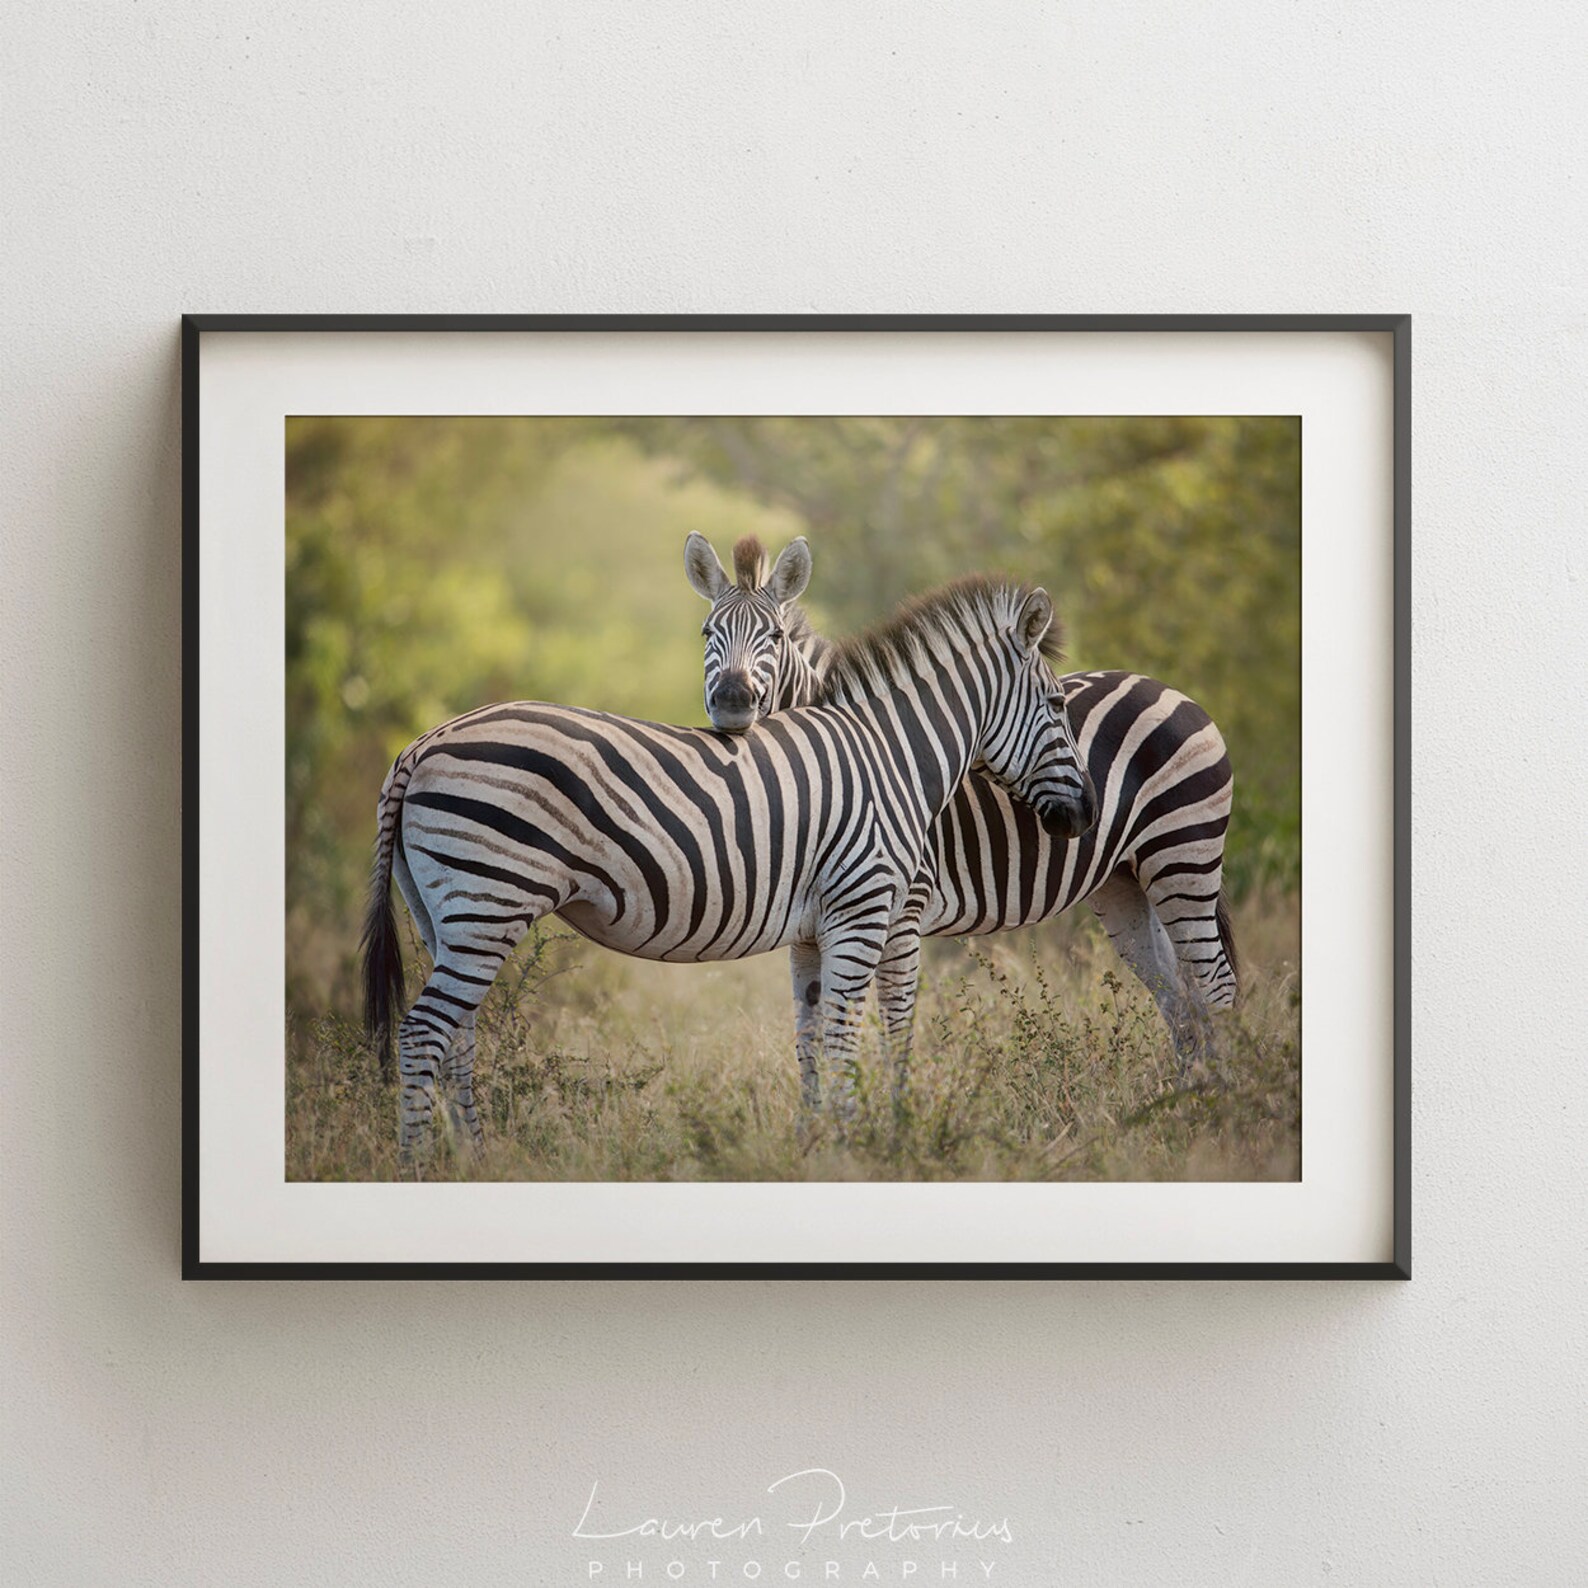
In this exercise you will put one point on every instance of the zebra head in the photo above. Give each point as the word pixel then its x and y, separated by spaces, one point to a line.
pixel 1029 745
pixel 748 657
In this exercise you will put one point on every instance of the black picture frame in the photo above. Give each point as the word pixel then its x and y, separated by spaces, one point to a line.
pixel 1398 326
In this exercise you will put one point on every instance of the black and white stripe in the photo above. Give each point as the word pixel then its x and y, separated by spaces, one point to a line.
pixel 1151 868
pixel 811 830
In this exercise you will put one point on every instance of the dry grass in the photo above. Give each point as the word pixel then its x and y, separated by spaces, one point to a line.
pixel 1038 1057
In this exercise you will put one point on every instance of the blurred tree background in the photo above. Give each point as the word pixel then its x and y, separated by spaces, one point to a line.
pixel 434 565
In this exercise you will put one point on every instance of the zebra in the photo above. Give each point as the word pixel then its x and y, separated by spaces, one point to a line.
pixel 747 662
pixel 810 830
pixel 1151 868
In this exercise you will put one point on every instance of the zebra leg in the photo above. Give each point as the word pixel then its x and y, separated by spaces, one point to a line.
pixel 898 976
pixel 898 981
pixel 849 964
pixel 460 1087
pixel 423 1038
pixel 418 908
pixel 459 1063
pixel 1195 914
pixel 442 1013
pixel 1142 942
pixel 841 1012
pixel 805 970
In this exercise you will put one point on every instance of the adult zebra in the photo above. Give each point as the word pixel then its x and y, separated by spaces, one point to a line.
pixel 1151 867
pixel 687 844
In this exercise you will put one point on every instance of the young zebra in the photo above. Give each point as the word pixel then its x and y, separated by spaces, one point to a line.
pixel 1151 868
pixel 686 844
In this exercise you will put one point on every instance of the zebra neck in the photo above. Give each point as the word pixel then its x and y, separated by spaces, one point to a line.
pixel 801 679
pixel 930 745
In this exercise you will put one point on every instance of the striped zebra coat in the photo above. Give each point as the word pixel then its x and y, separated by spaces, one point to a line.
pixel 1151 868
pixel 812 830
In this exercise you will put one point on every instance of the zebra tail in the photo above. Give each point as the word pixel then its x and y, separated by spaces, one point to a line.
pixel 382 950
pixel 1226 926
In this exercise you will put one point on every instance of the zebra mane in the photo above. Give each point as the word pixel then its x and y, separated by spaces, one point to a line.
pixel 750 563
pixel 928 626
pixel 802 636
pixel 751 569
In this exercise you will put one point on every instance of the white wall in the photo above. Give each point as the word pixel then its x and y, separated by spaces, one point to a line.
pixel 1101 155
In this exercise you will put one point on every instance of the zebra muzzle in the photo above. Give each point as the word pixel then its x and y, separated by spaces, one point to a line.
pixel 732 704
pixel 1072 814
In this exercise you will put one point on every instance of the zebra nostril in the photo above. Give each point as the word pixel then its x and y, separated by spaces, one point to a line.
pixel 733 694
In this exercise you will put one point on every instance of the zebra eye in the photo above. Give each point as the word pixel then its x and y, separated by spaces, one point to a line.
pixel 705 631
pixel 777 634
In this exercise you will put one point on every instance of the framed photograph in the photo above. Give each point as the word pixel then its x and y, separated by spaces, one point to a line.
pixel 796 797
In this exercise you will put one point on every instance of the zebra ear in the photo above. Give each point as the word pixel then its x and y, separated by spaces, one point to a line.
pixel 706 575
pixel 791 573
pixel 1036 618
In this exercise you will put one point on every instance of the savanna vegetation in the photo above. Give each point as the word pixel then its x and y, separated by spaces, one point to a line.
pixel 434 565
